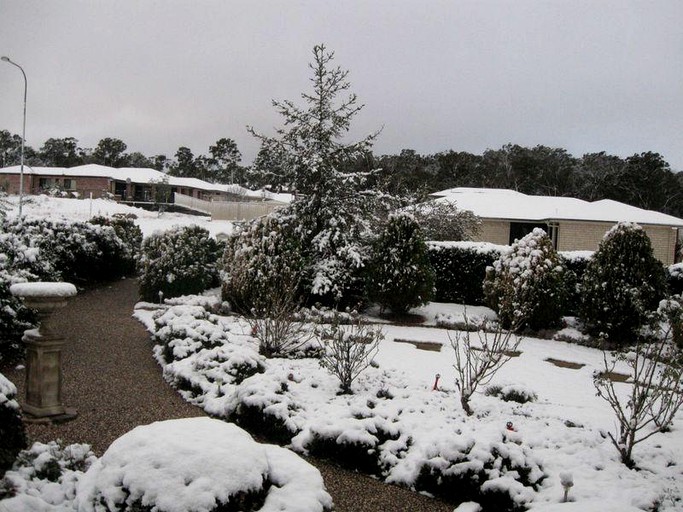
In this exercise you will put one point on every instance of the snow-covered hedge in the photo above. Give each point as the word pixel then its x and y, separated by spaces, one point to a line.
pixel 53 250
pixel 674 278
pixel 12 433
pixel 178 262
pixel 460 269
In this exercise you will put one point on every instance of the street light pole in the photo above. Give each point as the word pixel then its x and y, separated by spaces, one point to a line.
pixel 23 134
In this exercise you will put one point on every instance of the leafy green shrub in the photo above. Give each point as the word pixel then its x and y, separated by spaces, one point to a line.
pixel 12 433
pixel 622 284
pixel 178 262
pixel 525 285
pixel 460 269
pixel 124 259
pixel 257 260
pixel 400 276
pixel 575 264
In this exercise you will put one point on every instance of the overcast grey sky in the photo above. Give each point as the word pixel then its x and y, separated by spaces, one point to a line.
pixel 583 75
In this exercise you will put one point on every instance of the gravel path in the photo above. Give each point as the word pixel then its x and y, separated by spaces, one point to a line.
pixel 115 384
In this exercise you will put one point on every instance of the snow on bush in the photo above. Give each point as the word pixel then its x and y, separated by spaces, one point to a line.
pixel 399 275
pixel 460 269
pixel 44 475
pixel 178 262
pixel 622 284
pixel 199 464
pixel 525 285
pixel 12 433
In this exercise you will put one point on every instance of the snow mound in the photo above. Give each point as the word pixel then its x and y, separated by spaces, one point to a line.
pixel 198 464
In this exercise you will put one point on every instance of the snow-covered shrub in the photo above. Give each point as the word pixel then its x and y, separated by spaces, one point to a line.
pixel 348 350
pixel 131 237
pixel 622 284
pixel 257 260
pixel 178 262
pixel 12 433
pixel 445 221
pixel 512 393
pixel 354 444
pixel 219 356
pixel 674 278
pixel 501 477
pixel 525 285
pixel 671 311
pixel 575 264
pixel 399 274
pixel 460 269
pixel 47 474
pixel 199 464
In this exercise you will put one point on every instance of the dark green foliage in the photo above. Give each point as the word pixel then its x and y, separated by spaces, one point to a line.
pixel 354 456
pixel 400 276
pixel 622 284
pixel 674 279
pixel 525 286
pixel 122 260
pixel 462 480
pixel 12 433
pixel 178 262
pixel 575 268
pixel 511 394
pixel 263 424
pixel 460 269
pixel 258 260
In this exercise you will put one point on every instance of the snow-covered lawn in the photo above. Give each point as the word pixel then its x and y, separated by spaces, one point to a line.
pixel 406 425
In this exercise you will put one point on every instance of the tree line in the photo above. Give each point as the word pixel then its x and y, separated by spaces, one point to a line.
pixel 644 180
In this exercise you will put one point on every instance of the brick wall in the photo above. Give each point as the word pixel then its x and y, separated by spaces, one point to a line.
pixel 494 231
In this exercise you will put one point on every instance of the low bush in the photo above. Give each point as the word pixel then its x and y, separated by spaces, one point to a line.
pixel 178 262
pixel 12 433
pixel 512 393
pixel 575 264
pixel 460 269
pixel 123 259
pixel 501 478
pixel 674 278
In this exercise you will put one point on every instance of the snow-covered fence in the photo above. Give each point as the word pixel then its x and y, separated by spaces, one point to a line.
pixel 228 210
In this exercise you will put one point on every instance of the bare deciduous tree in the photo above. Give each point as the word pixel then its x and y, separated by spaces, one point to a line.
pixel 655 397
pixel 348 349
pixel 476 364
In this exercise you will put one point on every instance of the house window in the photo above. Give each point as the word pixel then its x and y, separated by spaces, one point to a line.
pixel 44 183
pixel 521 229
pixel 69 184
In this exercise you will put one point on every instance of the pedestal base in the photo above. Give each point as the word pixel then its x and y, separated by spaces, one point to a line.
pixel 67 414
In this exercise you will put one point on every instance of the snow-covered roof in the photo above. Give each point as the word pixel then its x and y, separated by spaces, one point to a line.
pixel 492 203
pixel 142 175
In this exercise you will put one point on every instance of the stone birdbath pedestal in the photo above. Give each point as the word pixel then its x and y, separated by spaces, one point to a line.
pixel 44 352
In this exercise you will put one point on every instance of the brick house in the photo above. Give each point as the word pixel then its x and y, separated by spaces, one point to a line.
pixel 125 184
pixel 572 224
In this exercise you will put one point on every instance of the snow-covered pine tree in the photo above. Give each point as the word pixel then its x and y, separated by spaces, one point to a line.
pixel 400 276
pixel 525 285
pixel 622 284
pixel 330 207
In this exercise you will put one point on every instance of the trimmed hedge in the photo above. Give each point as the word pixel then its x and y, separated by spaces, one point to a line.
pixel 460 269
pixel 12 434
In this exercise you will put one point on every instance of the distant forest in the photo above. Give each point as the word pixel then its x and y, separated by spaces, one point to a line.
pixel 644 180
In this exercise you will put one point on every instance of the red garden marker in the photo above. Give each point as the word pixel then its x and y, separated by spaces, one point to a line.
pixel 436 382
pixel 510 426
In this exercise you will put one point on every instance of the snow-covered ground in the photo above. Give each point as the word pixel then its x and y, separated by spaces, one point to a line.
pixel 562 431
pixel 83 209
